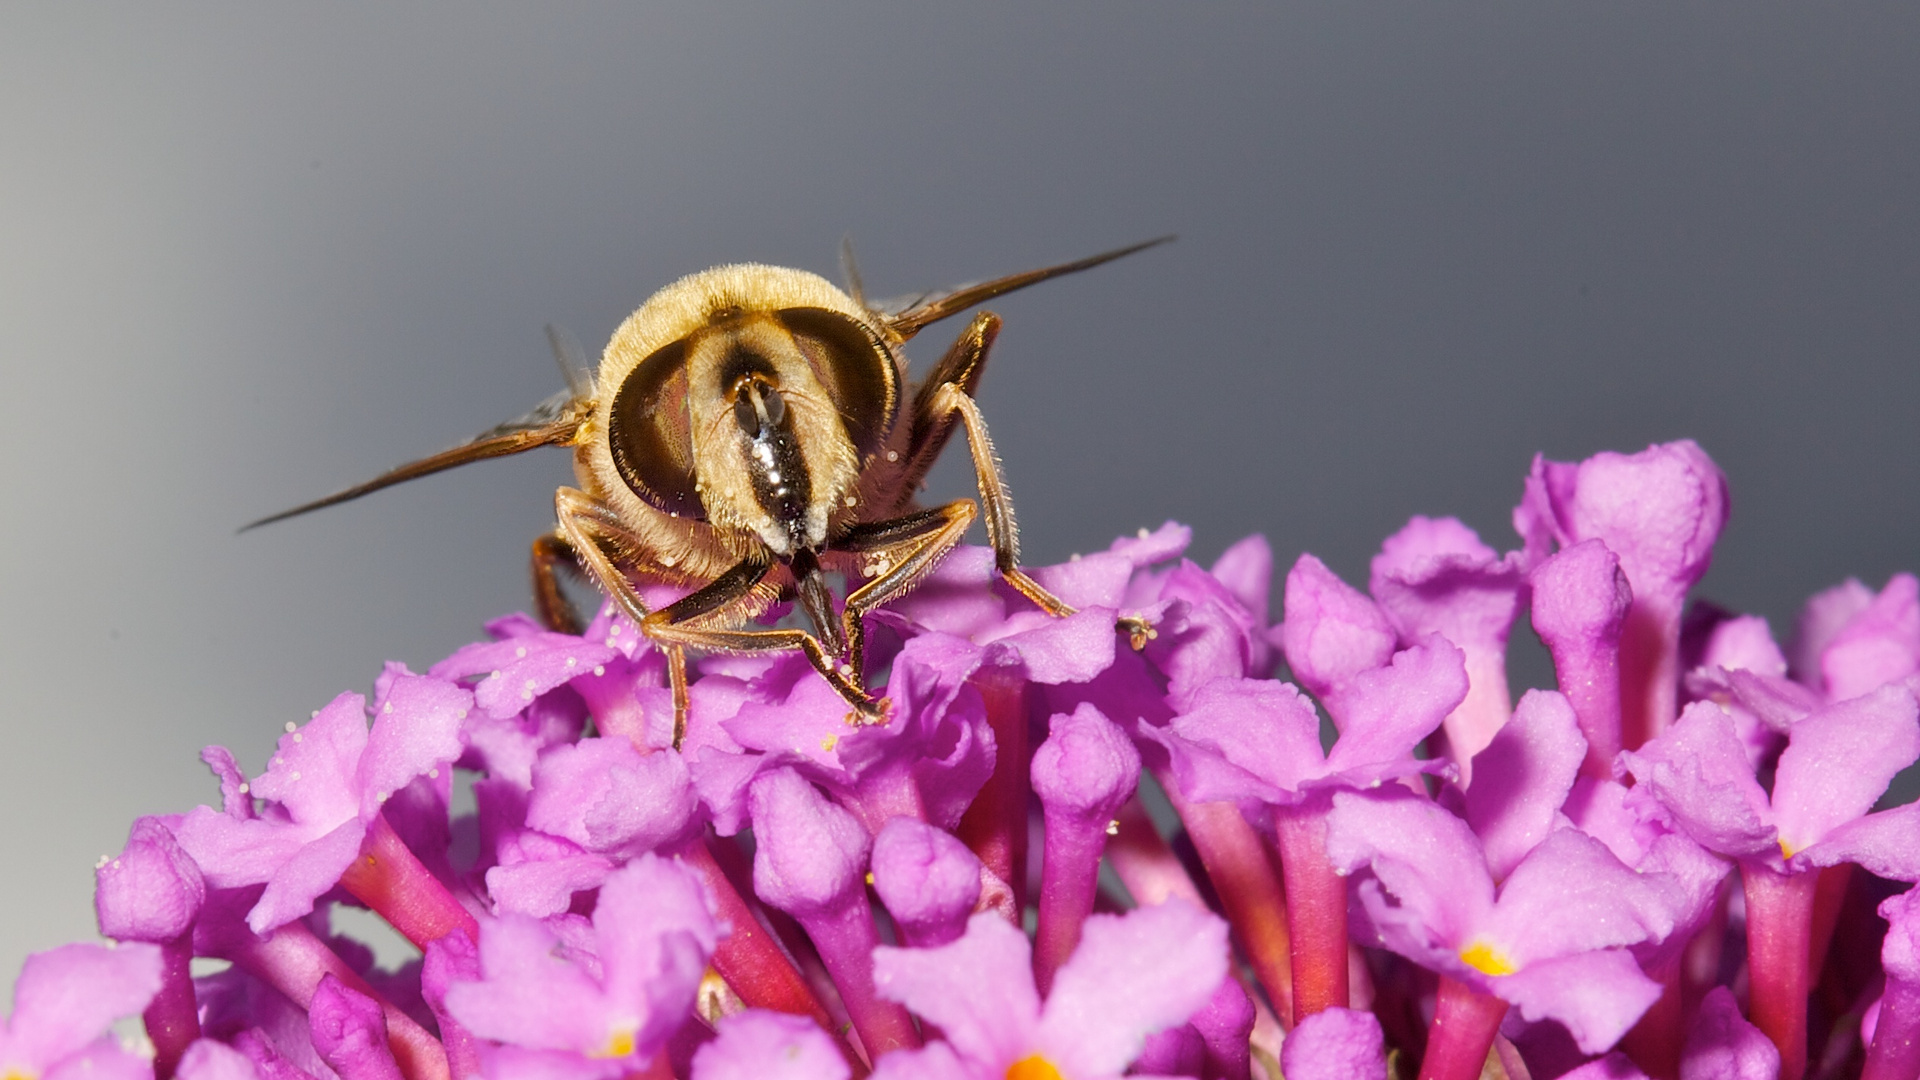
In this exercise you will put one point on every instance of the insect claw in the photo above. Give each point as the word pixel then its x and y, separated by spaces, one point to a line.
pixel 875 713
pixel 1138 630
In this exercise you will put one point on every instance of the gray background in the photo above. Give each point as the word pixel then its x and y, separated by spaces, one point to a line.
pixel 252 254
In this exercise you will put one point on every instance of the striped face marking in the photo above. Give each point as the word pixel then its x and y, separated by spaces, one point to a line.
pixel 775 467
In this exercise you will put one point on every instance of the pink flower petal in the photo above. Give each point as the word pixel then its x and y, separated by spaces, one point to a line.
pixel 1132 975
pixel 762 1045
pixel 979 990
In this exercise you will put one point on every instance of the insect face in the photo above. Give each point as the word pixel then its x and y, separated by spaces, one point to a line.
pixel 770 452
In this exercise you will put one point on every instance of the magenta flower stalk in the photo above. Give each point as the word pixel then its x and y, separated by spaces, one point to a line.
pixel 1467 872
pixel 1084 771
pixel 810 865
pixel 748 957
pixel 1248 884
pixel 995 826
pixel 1894 1051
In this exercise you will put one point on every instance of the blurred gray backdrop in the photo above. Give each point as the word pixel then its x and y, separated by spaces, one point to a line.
pixel 249 254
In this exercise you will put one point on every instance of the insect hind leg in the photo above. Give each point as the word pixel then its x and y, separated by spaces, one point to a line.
pixel 551 556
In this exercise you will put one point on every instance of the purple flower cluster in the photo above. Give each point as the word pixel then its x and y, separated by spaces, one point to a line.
pixel 1085 847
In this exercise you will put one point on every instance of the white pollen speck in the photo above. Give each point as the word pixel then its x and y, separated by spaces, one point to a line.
pixel 673 513
pixel 433 773
pixel 493 674
pixel 614 630
pixel 104 860
pixel 314 715
pixel 773 477
pixel 531 684
pixel 244 788
pixel 571 661
pixel 295 775
pixel 599 669
pixel 526 695
pixel 851 501
pixel 296 737
pixel 893 455
pixel 1142 534
pixel 383 796
pixel 1075 557
pixel 291 725
pixel 387 708
pixel 520 653
pixel 1113 827
pixel 276 759
pixel 462 716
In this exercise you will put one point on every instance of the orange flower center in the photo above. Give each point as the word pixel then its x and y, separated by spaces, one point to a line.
pixel 1033 1067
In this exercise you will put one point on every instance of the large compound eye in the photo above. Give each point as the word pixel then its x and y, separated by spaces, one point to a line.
pixel 649 433
pixel 855 366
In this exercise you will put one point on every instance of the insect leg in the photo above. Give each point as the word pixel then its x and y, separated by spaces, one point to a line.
pixel 900 552
pixel 551 555
pixel 1002 532
pixel 866 709
pixel 962 366
pixel 588 528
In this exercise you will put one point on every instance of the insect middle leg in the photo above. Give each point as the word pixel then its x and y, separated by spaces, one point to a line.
pixel 606 550
pixel 944 402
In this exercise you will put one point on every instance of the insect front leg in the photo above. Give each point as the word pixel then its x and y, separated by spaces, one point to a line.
pixel 591 532
pixel 897 554
pixel 866 709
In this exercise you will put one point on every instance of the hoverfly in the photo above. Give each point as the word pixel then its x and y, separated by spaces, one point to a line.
pixel 750 430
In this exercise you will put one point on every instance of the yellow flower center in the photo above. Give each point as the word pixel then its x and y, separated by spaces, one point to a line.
pixel 14 1072
pixel 619 1045
pixel 1487 960
pixel 1033 1067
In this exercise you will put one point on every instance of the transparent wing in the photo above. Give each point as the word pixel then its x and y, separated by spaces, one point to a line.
pixel 574 365
pixel 907 315
pixel 553 422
